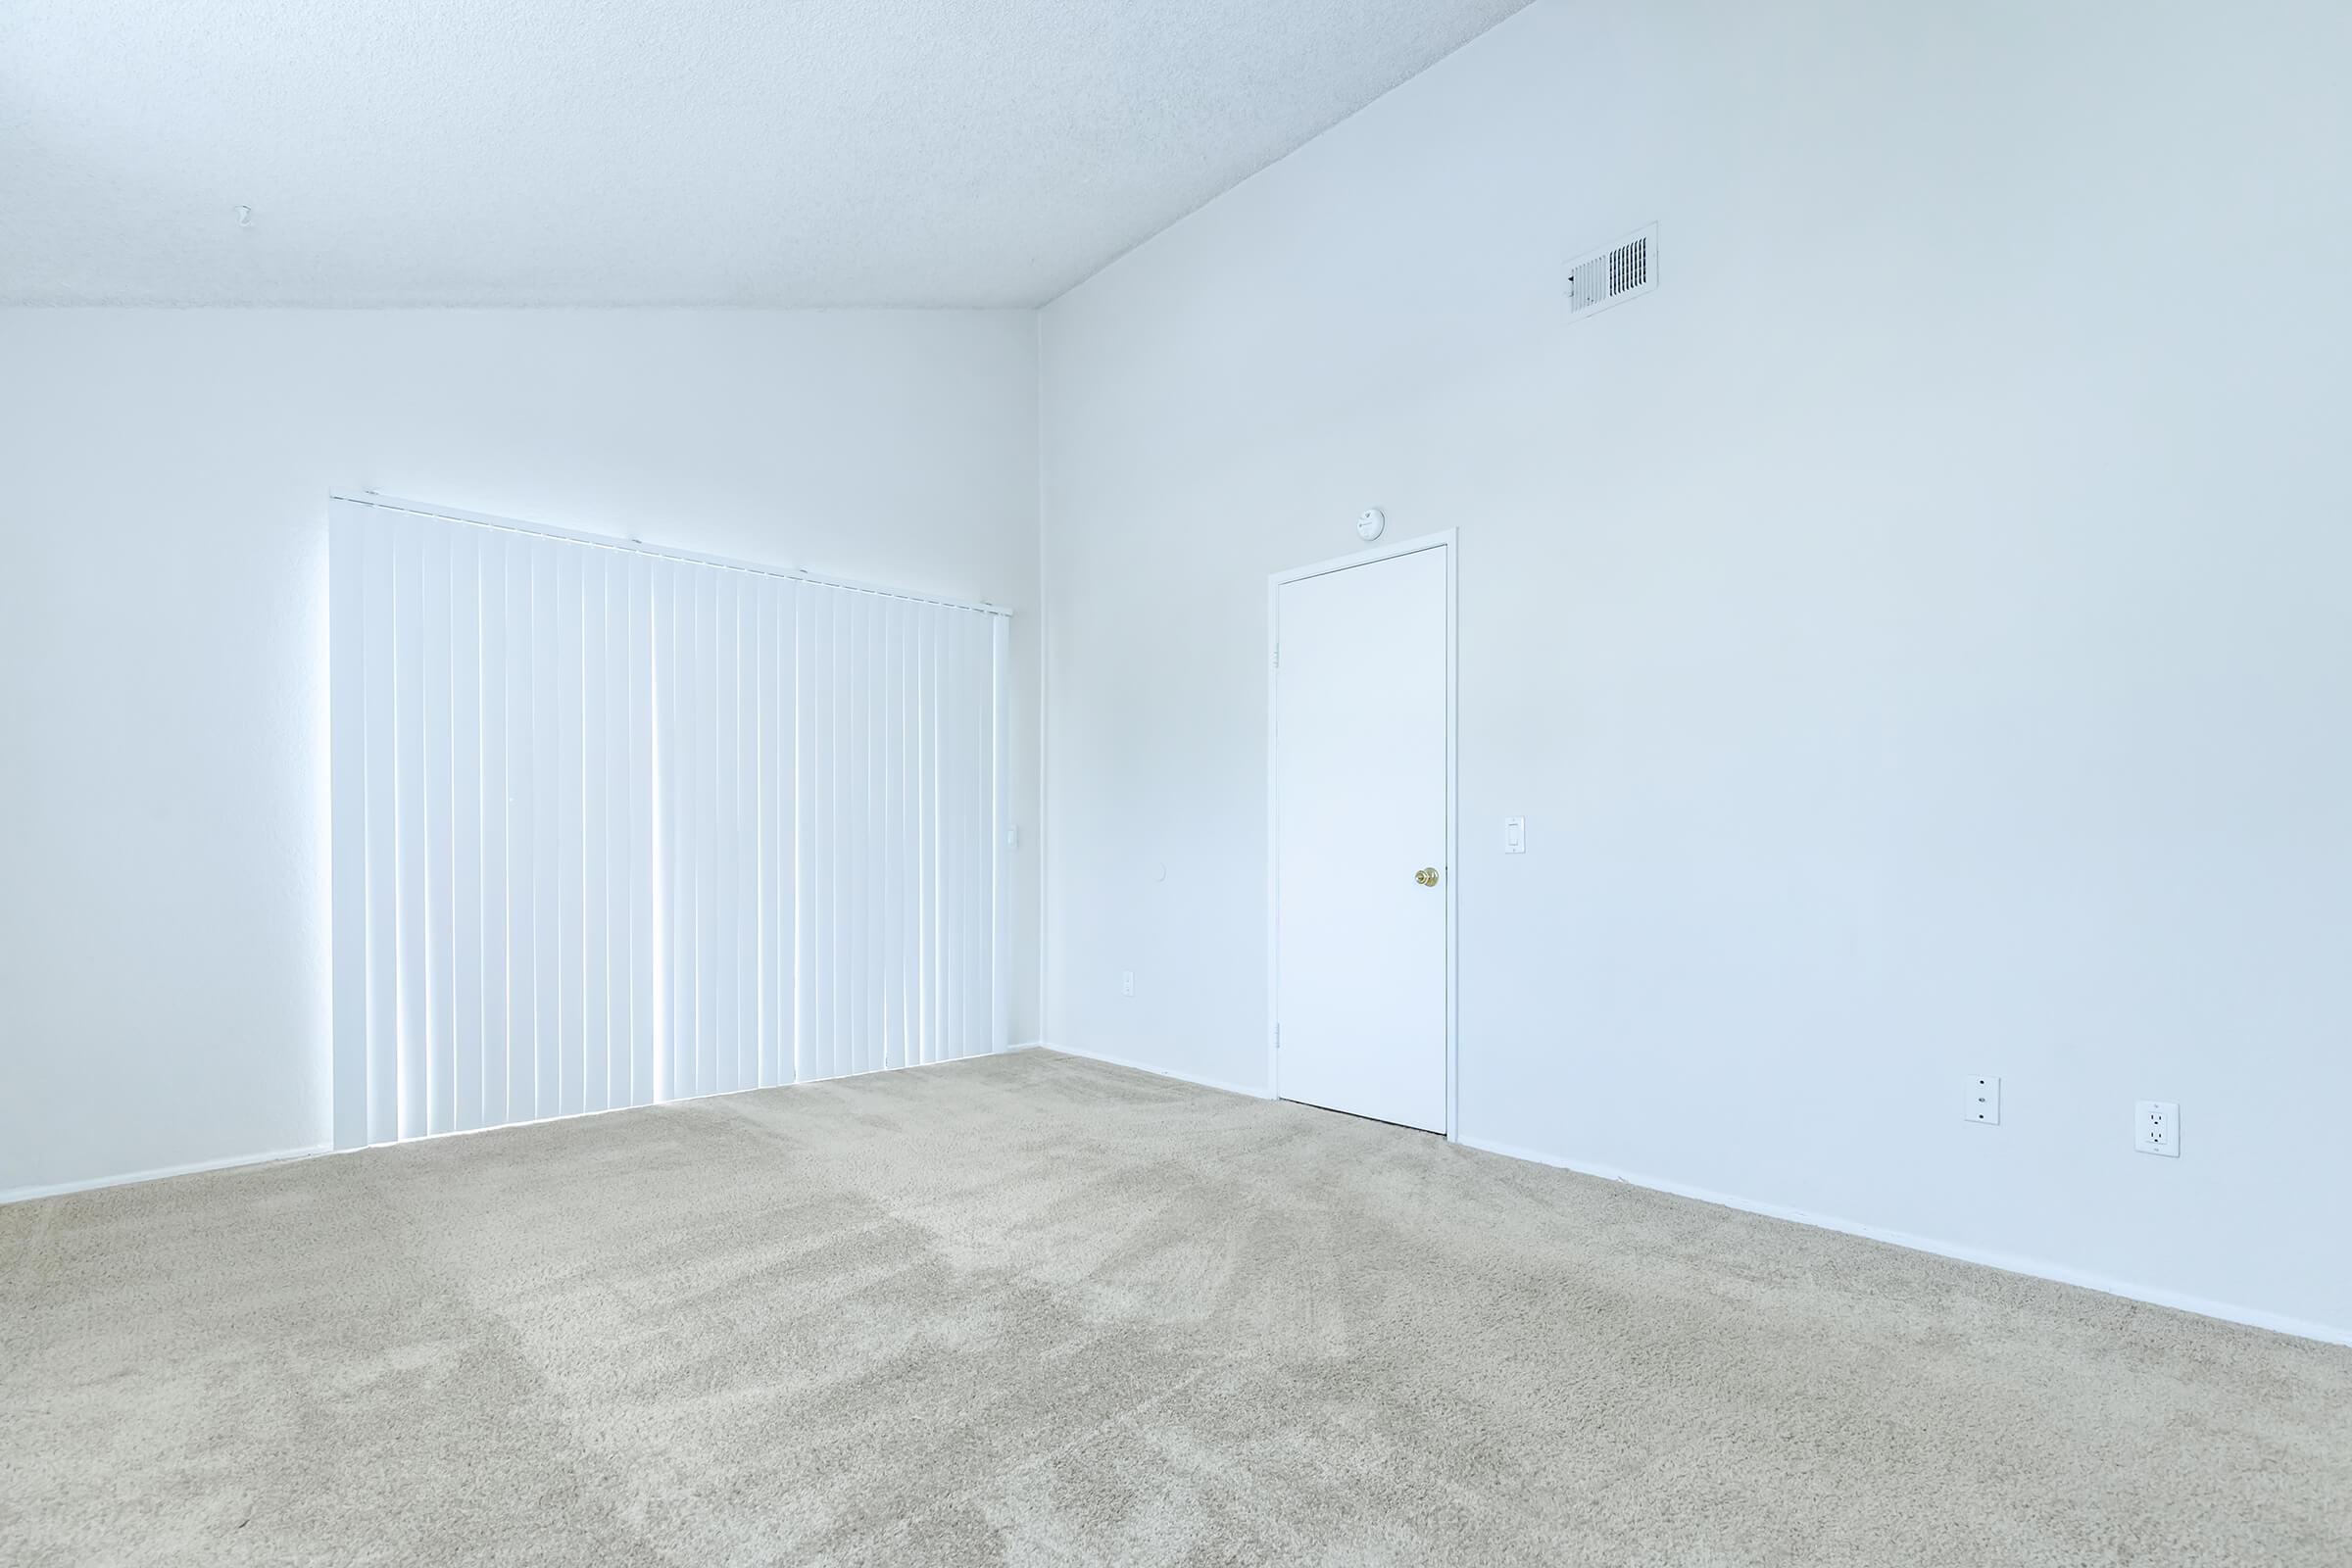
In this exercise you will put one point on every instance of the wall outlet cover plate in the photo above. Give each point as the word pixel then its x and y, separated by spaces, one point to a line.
pixel 2156 1128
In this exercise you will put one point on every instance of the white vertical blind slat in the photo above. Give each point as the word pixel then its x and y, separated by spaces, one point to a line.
pixel 806 852
pixel 926 882
pixel 522 841
pixel 547 786
pixel 824 760
pixel 849 804
pixel 979 796
pixel 891 721
pixel 859 670
pixel 959 855
pixel 708 937
pixel 440 851
pixel 766 706
pixel 613 845
pixel 383 888
pixel 679 728
pixel 747 878
pixel 612 827
pixel 347 753
pixel 465 968
pixel 955 830
pixel 639 759
pixel 958 692
pixel 493 960
pixel 666 736
pixel 684 811
pixel 569 811
pixel 788 833
pixel 717 934
pixel 997 910
pixel 725 837
pixel 595 911
pixel 850 824
pixel 408 810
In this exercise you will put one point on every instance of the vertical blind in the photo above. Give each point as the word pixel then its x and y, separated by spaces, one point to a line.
pixel 612 826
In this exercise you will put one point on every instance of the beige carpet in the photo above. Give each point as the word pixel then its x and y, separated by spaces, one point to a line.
pixel 1039 1310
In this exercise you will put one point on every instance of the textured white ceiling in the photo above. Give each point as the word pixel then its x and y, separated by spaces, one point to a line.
pixel 758 152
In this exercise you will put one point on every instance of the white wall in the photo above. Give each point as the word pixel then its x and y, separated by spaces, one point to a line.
pixel 1917 634
pixel 163 487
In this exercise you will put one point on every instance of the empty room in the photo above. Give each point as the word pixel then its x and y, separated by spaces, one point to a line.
pixel 1056 782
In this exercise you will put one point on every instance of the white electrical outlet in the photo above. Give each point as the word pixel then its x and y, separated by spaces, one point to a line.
pixel 1984 1102
pixel 1126 982
pixel 2156 1128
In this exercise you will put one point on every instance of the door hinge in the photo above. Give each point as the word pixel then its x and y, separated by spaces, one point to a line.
pixel 1278 656
pixel 1278 1037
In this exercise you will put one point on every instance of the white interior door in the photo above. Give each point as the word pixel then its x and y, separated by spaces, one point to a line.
pixel 1360 820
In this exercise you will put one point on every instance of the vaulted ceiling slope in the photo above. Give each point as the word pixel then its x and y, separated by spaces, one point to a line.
pixel 714 152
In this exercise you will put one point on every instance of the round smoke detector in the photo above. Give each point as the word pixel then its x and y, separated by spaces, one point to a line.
pixel 1368 526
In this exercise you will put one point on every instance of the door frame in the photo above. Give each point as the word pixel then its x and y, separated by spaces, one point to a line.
pixel 1449 541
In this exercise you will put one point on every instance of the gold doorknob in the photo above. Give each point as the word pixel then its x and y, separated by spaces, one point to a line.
pixel 1427 876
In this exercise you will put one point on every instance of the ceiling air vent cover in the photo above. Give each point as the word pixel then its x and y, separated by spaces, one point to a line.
pixel 1614 272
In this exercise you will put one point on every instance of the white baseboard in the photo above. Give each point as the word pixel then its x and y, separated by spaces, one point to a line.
pixel 18 1194
pixel 2036 1268
pixel 2008 1263
pixel 1026 1044
pixel 1162 1072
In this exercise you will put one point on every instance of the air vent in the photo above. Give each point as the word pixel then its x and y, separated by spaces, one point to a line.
pixel 1614 272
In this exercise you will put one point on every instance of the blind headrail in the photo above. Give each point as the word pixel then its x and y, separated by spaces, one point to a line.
pixel 484 519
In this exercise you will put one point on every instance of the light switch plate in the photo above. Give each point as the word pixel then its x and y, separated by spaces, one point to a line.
pixel 1514 835
pixel 1983 1102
